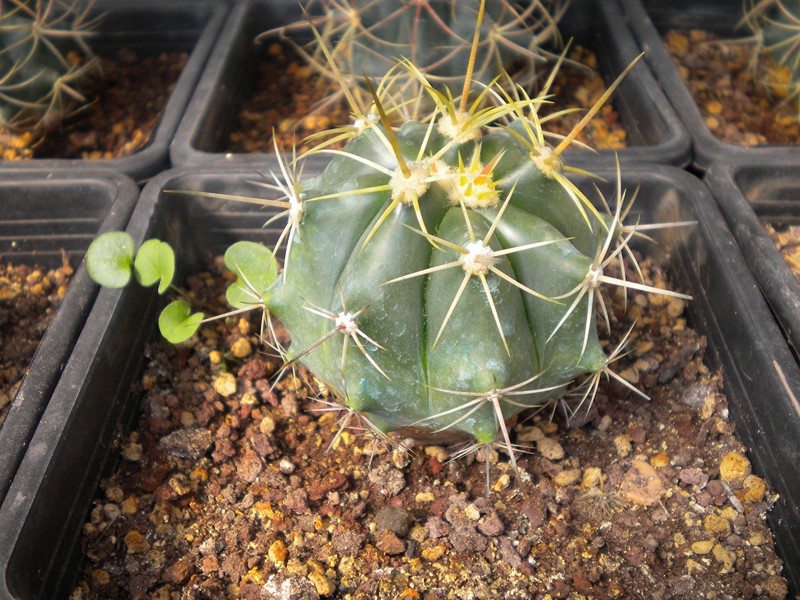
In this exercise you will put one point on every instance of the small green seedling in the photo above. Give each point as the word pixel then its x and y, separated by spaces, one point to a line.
pixel 111 260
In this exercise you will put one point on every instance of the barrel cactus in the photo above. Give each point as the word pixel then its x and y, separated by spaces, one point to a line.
pixel 776 30
pixel 364 37
pixel 440 276
pixel 43 58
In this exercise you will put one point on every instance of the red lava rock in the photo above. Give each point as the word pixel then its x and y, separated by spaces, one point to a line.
pixel 508 554
pixel 535 509
pixel 491 525
pixel 164 493
pixel 179 571
pixel 254 369
pixel 263 446
pixel 467 539
pixel 437 528
pixel 191 443
pixel 438 507
pixel 435 466
pixel 296 501
pixel 265 392
pixel 332 481
pixel 694 477
pixel 248 466
pixel 581 584
pixel 234 567
pixel 389 543
pixel 718 494
pixel 347 542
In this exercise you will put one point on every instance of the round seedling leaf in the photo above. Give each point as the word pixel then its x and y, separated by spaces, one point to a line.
pixel 109 259
pixel 255 268
pixel 155 262
pixel 177 323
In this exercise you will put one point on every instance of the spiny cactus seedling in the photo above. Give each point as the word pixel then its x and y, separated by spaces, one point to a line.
pixel 439 276
pixel 354 38
pixel 43 57
pixel 776 33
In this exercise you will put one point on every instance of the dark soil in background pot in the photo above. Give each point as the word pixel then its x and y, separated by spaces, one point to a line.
pixel 127 98
pixel 225 488
pixel 734 100
pixel 29 297
pixel 287 95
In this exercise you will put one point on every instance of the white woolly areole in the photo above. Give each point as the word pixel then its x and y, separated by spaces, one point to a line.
pixel 346 323
pixel 455 127
pixel 295 208
pixel 477 259
pixel 363 123
pixel 594 277
pixel 410 189
pixel 547 160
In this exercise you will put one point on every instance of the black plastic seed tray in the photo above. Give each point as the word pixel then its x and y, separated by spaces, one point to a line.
pixel 655 133
pixel 750 196
pixel 41 217
pixel 41 521
pixel 649 19
pixel 148 28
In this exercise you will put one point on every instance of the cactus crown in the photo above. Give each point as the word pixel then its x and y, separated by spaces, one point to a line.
pixel 354 38
pixel 43 57
pixel 442 275
pixel 776 32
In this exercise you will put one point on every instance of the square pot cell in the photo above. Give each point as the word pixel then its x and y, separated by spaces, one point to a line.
pixel 752 196
pixel 49 500
pixel 650 20
pixel 654 133
pixel 44 217
pixel 132 32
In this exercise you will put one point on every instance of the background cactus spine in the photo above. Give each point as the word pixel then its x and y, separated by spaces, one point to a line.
pixel 368 38
pixel 776 28
pixel 44 56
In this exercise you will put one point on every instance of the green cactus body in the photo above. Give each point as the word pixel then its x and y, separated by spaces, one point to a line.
pixel 349 255
pixel 781 34
pixel 776 25
pixel 38 76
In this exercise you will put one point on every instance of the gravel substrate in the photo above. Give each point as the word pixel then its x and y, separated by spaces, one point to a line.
pixel 224 488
